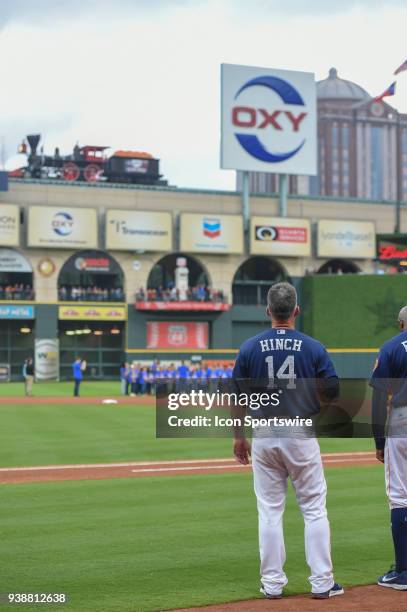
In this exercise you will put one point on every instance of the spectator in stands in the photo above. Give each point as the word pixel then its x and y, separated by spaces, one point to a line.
pixel 140 295
pixel 91 294
pixel 201 293
pixel 18 291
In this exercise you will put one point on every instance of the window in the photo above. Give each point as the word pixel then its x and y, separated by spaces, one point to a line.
pixel 345 136
pixel 376 162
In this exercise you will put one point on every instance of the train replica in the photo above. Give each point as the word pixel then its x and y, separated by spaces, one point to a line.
pixel 88 163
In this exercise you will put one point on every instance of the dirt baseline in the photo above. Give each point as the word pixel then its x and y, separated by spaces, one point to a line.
pixel 104 471
pixel 358 599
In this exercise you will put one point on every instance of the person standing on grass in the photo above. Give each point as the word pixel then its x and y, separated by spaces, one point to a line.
pixel 28 373
pixel 124 373
pixel 77 369
pixel 282 354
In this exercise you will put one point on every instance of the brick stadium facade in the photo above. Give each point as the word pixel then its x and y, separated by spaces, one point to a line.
pixel 226 327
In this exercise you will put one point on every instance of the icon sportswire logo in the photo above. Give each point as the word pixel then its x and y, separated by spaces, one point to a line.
pixel 245 118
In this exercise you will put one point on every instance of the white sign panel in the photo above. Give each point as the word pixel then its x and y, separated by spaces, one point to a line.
pixel 9 225
pixel 62 227
pixel 346 239
pixel 13 261
pixel 269 120
pixel 138 230
pixel 47 359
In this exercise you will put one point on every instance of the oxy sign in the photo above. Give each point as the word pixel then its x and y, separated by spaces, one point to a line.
pixel 269 121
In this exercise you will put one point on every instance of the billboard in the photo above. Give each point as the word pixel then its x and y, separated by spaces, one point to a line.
pixel 17 312
pixel 47 359
pixel 62 227
pixel 183 305
pixel 268 120
pixel 355 239
pixel 92 313
pixel 392 248
pixel 177 335
pixel 211 233
pixel 133 230
pixel 280 236
pixel 13 261
pixel 9 225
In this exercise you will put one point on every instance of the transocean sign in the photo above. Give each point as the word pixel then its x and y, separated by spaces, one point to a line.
pixel 268 120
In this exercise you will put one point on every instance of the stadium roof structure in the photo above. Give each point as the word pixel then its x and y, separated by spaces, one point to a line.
pixel 334 88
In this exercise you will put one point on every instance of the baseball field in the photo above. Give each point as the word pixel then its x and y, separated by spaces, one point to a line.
pixel 93 505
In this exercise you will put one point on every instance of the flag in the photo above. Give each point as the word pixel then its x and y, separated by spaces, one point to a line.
pixel 401 68
pixel 390 91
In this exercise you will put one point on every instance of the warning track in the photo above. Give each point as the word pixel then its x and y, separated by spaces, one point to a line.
pixel 105 471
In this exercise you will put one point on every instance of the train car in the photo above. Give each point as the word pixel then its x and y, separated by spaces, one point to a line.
pixel 90 163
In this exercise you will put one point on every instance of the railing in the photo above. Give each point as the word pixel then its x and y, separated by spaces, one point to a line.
pixel 16 295
pixel 89 296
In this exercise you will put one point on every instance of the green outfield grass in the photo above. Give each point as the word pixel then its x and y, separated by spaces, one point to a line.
pixel 61 434
pixel 107 388
pixel 156 543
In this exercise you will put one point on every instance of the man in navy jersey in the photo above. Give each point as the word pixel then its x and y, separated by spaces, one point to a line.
pixel 283 353
pixel 389 382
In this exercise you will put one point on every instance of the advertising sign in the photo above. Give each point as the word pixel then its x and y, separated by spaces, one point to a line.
pixel 13 261
pixel 211 233
pixel 17 312
pixel 184 305
pixel 47 359
pixel 280 236
pixel 268 120
pixel 355 239
pixel 132 230
pixel 92 313
pixel 9 225
pixel 4 372
pixel 392 248
pixel 177 335
pixel 62 227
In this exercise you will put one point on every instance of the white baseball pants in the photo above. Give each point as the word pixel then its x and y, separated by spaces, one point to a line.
pixel 395 458
pixel 274 461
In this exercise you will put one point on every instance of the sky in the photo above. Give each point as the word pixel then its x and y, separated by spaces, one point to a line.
pixel 145 74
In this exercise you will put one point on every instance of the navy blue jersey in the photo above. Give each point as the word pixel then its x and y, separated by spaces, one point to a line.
pixel 390 372
pixel 284 351
pixel 283 357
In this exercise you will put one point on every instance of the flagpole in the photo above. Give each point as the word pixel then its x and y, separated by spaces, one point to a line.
pixel 398 181
pixel 283 188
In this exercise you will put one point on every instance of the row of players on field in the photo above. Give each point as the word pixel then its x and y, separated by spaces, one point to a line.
pixel 137 379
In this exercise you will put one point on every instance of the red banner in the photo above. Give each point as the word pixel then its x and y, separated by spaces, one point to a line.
pixel 174 335
pixel 213 306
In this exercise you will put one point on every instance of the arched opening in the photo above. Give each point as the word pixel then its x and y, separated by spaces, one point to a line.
pixel 16 276
pixel 339 266
pixel 254 278
pixel 89 276
pixel 178 277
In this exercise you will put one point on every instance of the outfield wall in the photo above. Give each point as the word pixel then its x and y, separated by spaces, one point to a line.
pixel 352 310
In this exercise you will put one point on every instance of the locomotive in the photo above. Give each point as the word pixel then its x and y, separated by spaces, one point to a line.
pixel 89 163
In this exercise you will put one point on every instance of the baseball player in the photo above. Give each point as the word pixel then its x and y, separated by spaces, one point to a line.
pixel 389 382
pixel 283 353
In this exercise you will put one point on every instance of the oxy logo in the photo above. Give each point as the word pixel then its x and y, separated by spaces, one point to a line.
pixel 247 117
pixel 62 223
